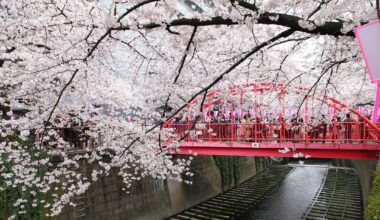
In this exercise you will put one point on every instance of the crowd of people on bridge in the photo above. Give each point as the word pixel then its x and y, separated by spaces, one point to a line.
pixel 295 128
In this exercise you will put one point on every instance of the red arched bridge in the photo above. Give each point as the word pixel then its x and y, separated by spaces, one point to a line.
pixel 253 120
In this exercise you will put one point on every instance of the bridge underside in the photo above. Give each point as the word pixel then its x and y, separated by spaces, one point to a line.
pixel 298 150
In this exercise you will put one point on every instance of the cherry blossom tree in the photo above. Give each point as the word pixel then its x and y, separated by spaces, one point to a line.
pixel 62 59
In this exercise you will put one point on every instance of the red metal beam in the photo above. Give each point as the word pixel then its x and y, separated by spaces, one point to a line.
pixel 266 145
pixel 261 152
pixel 358 114
pixel 318 150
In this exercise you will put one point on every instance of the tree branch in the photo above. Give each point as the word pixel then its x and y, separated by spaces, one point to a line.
pixel 220 77
pixel 286 33
pixel 108 32
pixel 185 55
pixel 181 66
pixel 329 28
pixel 58 100
pixel 134 8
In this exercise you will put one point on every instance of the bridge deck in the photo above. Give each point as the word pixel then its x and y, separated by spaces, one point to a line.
pixel 351 140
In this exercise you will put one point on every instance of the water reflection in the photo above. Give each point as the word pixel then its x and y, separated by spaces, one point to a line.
pixel 294 196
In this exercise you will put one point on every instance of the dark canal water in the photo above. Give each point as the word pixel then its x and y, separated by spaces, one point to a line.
pixel 293 197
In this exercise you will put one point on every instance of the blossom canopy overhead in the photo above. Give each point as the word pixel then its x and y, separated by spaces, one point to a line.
pixel 62 59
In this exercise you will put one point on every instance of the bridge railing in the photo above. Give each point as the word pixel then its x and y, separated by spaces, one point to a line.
pixel 339 132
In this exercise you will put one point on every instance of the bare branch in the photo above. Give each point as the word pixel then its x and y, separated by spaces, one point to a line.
pixel 58 100
pixel 134 8
pixel 181 66
pixel 220 77
pixel 185 55
pixel 285 33
pixel 329 28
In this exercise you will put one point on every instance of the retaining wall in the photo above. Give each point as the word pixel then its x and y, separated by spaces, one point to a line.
pixel 157 199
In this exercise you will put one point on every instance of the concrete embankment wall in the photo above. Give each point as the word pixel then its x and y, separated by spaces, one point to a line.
pixel 157 199
pixel 365 170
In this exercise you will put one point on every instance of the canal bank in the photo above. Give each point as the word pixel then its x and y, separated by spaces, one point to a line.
pixel 373 207
pixel 158 199
pixel 365 170
pixel 214 181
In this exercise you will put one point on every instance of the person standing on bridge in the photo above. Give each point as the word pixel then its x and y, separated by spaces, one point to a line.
pixel 246 127
pixel 339 128
pixel 258 131
pixel 312 130
pixel 241 128
pixel 363 130
pixel 323 128
pixel 348 128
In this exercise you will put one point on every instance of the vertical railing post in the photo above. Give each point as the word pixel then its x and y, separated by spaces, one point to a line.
pixel 255 131
pixel 281 128
pixel 281 99
pixel 241 116
pixel 364 133
pixel 335 135
pixel 306 120
pixel 188 128
pixel 232 116
pixel 209 121
pixel 251 127
pixel 222 126
pixel 254 100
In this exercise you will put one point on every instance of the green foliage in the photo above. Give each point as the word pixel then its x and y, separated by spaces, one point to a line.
pixel 373 208
pixel 10 194
pixel 16 138
pixel 229 168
